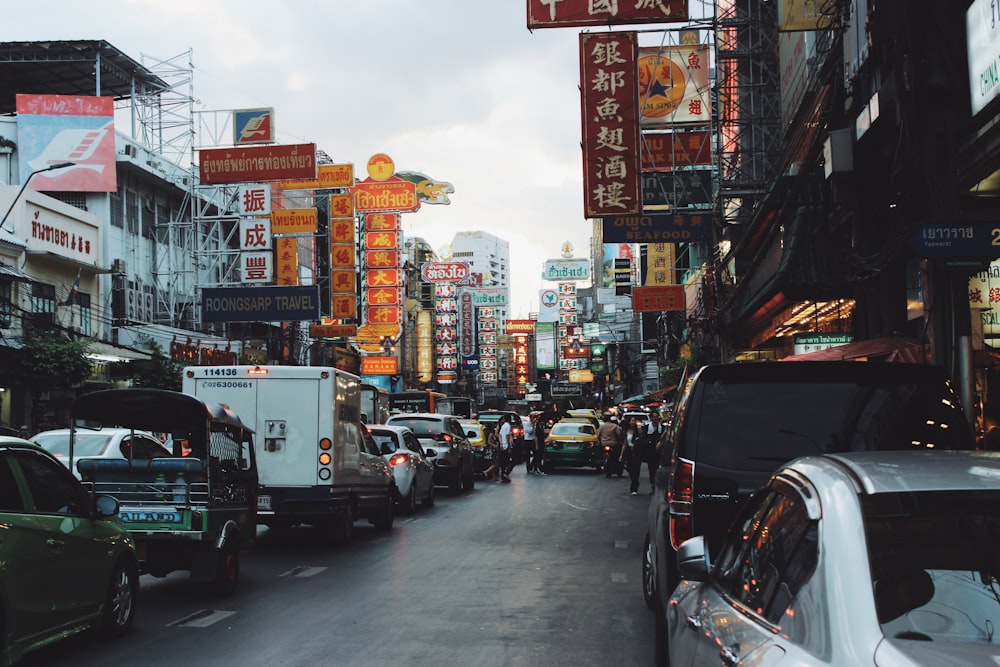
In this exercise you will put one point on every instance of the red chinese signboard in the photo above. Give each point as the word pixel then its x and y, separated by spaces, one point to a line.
pixel 342 231
pixel 385 314
pixel 384 296
pixel 444 272
pixel 666 150
pixel 256 163
pixel 391 195
pixel 342 206
pixel 655 299
pixel 342 256
pixel 343 281
pixel 377 222
pixel 345 307
pixel 383 240
pixel 577 13
pixel 383 278
pixel 383 259
pixel 610 100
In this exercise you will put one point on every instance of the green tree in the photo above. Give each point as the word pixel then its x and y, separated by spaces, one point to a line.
pixel 161 372
pixel 49 361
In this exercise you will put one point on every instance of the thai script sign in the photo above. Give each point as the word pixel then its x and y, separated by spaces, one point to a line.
pixel 444 272
pixel 260 304
pixel 332 330
pixel 656 228
pixel 390 195
pixel 293 221
pixel 667 150
pixel 256 163
pixel 566 269
pixel 609 102
pixel 519 326
pixel 489 298
pixel 379 365
pixel 967 240
pixel 577 13
pixel 327 176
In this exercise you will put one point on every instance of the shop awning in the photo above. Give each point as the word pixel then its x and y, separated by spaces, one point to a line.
pixel 14 273
pixel 886 348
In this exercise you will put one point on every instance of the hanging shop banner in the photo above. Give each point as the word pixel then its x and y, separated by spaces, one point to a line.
pixel 657 228
pixel 385 314
pixel 655 299
pixel 255 234
pixel 383 240
pixel 52 129
pixel 659 264
pixel 379 365
pixel 382 222
pixel 383 278
pixel 609 105
pixel 467 324
pixel 342 231
pixel 384 296
pixel 578 13
pixel 342 256
pixel 260 304
pixel 344 281
pixel 566 269
pixel 327 176
pixel 293 221
pixel 344 306
pixel 794 15
pixel 257 267
pixel 342 205
pixel 662 151
pixel 394 194
pixel 256 163
pixel 444 272
pixel 286 261
pixel 254 199
pixel 673 85
pixel 674 189
pixel 383 259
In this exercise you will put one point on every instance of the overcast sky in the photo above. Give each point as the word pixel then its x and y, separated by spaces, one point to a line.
pixel 459 90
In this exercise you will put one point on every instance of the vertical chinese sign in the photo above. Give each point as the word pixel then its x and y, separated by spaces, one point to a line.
pixel 343 269
pixel 489 365
pixel 610 108
pixel 446 331
pixel 255 233
pixel 383 262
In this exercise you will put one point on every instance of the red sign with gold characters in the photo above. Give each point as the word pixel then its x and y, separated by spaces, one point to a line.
pixel 382 240
pixel 384 296
pixel 394 194
pixel 612 183
pixel 655 299
pixel 383 278
pixel 380 222
pixel 385 314
pixel 578 13
pixel 382 259
pixel 379 365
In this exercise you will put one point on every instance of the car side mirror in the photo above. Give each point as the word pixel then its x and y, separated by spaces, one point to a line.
pixel 106 505
pixel 692 559
pixel 430 453
pixel 471 434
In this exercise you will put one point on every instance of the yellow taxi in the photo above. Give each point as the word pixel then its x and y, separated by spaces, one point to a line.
pixel 476 434
pixel 572 443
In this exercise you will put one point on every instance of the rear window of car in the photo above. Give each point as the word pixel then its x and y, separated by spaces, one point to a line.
pixel 420 425
pixel 87 444
pixel 385 438
pixel 572 429
pixel 758 426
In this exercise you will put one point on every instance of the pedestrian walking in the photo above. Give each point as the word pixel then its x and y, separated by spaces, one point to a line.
pixel 538 458
pixel 492 454
pixel 631 434
pixel 506 449
pixel 649 446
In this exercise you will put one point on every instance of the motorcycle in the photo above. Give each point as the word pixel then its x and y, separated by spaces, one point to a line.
pixel 613 463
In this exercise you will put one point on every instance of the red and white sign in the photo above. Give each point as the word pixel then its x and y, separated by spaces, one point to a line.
pixel 578 13
pixel 256 163
pixel 610 99
pixel 444 272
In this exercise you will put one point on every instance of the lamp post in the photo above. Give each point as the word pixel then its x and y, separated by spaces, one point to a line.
pixel 51 167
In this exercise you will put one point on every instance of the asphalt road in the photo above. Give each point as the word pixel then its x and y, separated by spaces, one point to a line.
pixel 542 571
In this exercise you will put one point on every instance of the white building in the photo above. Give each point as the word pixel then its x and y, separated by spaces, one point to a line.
pixel 488 256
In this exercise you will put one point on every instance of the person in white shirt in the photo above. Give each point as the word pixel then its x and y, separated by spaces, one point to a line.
pixel 506 449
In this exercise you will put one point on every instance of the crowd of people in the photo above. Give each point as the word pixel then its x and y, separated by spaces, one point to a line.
pixel 630 445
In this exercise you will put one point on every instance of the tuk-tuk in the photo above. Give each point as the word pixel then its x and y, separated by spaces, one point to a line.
pixel 193 511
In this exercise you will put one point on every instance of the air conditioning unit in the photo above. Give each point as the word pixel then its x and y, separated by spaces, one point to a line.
pixel 131 305
pixel 147 307
pixel 131 151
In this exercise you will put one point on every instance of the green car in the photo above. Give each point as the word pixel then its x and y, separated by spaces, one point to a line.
pixel 68 564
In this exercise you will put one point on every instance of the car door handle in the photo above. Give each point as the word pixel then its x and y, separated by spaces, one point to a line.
pixel 694 622
pixel 55 544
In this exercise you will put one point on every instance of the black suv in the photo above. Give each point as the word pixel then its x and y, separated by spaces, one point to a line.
pixel 446 446
pixel 735 424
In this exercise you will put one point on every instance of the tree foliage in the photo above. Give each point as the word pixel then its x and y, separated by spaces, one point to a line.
pixel 49 361
pixel 161 372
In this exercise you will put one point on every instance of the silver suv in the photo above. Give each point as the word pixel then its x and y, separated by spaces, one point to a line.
pixel 446 446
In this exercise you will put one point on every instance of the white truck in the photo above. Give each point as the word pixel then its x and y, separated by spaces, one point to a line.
pixel 317 464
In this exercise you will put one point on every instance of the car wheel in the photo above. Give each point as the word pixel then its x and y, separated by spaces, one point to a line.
pixel 469 480
pixel 429 500
pixel 338 529
pixel 227 568
pixel 409 503
pixel 648 575
pixel 120 602
pixel 384 519
pixel 455 483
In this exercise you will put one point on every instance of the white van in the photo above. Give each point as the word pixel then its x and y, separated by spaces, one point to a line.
pixel 316 461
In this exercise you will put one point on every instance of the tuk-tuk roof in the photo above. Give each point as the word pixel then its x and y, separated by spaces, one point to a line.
pixel 152 410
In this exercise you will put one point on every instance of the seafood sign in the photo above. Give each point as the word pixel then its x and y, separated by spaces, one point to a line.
pixel 444 272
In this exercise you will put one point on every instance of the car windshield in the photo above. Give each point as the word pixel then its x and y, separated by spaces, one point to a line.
pixel 385 438
pixel 737 421
pixel 935 564
pixel 420 426
pixel 572 429
pixel 87 444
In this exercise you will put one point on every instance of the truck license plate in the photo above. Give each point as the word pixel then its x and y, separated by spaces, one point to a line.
pixel 263 502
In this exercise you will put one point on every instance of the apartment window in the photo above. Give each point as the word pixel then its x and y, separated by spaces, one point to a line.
pixel 162 224
pixel 84 324
pixel 131 212
pixel 117 211
pixel 6 303
pixel 148 220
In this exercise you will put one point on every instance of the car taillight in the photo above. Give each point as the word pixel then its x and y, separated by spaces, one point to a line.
pixel 398 459
pixel 680 496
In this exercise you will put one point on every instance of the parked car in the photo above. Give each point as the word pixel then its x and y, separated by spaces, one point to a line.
pixel 573 443
pixel 476 433
pixel 445 445
pixel 878 558
pixel 737 423
pixel 413 472
pixel 105 443
pixel 68 563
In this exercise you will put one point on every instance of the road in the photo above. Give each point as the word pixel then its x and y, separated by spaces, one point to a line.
pixel 541 571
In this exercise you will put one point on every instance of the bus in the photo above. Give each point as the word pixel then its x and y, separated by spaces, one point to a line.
pixel 415 400
pixel 460 406
pixel 374 404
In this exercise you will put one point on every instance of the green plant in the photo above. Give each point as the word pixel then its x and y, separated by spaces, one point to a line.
pixel 161 372
pixel 49 361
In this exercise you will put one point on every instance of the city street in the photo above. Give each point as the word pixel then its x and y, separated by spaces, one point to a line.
pixel 541 571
